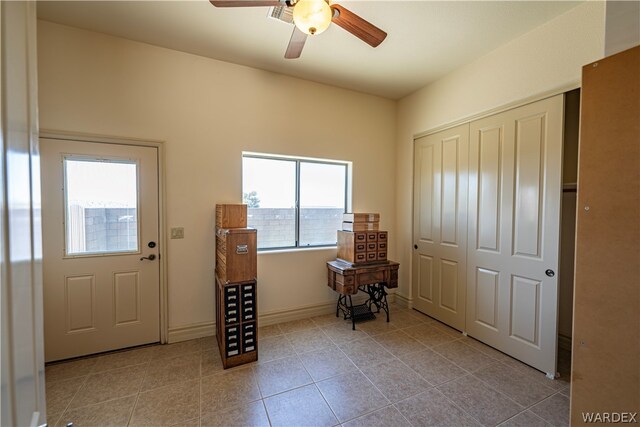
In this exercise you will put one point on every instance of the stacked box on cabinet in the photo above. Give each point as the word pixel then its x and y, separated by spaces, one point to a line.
pixel 360 241
pixel 361 222
pixel 236 286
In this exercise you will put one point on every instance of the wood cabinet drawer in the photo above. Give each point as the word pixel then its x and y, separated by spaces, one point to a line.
pixel 372 236
pixel 346 289
pixel 231 305
pixel 382 246
pixel 345 280
pixel 372 247
pixel 371 277
pixel 382 236
pixel 382 255
pixel 232 340
pixel 360 237
pixel 249 337
pixel 248 293
pixel 372 256
pixel 361 247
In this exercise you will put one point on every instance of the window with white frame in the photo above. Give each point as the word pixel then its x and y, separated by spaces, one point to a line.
pixel 294 202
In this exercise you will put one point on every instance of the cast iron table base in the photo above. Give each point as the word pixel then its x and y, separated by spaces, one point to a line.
pixel 362 312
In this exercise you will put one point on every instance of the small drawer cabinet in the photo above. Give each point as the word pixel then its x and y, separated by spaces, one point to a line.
pixel 362 247
pixel 236 322
pixel 236 287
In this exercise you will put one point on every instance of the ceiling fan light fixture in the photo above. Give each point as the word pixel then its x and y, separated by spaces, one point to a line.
pixel 312 16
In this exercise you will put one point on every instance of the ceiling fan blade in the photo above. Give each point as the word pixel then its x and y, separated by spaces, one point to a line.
pixel 296 43
pixel 364 30
pixel 245 3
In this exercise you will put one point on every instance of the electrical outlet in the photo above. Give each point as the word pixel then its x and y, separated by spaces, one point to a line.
pixel 177 233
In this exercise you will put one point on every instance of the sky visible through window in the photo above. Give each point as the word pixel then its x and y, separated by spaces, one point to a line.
pixel 322 185
pixel 98 184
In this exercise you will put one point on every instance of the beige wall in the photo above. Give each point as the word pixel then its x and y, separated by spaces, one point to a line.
pixel 622 27
pixel 208 112
pixel 547 58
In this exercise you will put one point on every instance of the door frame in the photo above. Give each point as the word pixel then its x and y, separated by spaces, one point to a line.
pixel 162 235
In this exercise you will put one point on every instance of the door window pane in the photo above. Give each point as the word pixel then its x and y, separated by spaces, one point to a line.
pixel 269 190
pixel 101 204
pixel 322 202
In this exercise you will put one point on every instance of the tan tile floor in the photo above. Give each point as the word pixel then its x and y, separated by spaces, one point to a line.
pixel 313 372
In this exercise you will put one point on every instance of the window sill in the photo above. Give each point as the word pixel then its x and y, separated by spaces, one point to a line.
pixel 293 250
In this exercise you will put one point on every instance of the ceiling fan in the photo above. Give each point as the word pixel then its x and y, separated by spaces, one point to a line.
pixel 312 17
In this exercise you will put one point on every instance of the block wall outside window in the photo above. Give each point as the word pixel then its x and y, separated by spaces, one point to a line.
pixel 294 202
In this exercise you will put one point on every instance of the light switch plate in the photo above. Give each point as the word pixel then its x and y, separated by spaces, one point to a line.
pixel 177 233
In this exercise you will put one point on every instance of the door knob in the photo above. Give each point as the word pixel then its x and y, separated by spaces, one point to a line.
pixel 415 246
pixel 150 257
pixel 550 273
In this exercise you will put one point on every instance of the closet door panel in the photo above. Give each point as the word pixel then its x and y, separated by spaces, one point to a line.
pixel 450 191
pixel 427 203
pixel 440 225
pixel 485 289
pixel 514 212
pixel 529 170
pixel 489 160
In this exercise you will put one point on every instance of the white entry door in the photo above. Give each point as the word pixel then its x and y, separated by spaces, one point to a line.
pixel 100 247
pixel 515 164
pixel 440 225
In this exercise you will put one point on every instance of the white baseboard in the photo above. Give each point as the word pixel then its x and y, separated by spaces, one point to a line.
pixel 205 329
pixel 191 332
pixel 304 312
pixel 564 342
pixel 403 301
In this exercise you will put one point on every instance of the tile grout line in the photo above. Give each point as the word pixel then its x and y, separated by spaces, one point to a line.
pixel 315 383
pixel 436 386
pixel 525 407
pixel 494 389
pixel 459 407
pixel 264 405
pixel 539 402
pixel 367 378
pixel 66 408
pixel 327 403
pixel 138 393
pixel 400 412
pixel 508 397
pixel 520 413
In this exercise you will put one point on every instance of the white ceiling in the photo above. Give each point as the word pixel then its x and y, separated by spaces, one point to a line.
pixel 426 40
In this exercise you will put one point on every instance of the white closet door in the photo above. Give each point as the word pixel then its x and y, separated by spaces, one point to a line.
pixel 515 162
pixel 440 225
